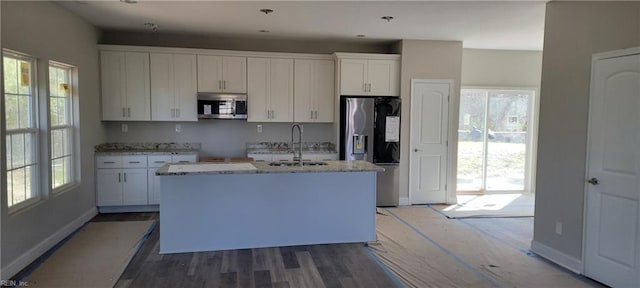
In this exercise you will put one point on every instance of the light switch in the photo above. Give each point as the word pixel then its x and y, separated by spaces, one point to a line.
pixel 125 128
pixel 559 228
pixel 259 128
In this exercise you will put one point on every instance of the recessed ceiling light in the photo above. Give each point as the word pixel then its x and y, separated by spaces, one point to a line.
pixel 388 18
pixel 361 35
pixel 266 11
pixel 129 1
pixel 263 31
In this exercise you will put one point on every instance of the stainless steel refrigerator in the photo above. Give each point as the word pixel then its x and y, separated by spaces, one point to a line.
pixel 370 130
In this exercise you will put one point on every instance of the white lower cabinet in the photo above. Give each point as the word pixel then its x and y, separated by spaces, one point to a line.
pixel 130 180
pixel 157 161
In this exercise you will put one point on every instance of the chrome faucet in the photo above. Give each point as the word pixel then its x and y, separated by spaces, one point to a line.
pixel 293 146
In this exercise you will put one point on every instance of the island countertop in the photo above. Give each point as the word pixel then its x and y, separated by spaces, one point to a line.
pixel 265 168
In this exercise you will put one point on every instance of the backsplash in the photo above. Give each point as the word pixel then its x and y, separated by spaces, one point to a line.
pixel 113 146
pixel 224 138
pixel 285 147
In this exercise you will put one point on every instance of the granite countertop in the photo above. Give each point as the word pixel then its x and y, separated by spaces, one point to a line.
pixel 285 148
pixel 147 148
pixel 264 168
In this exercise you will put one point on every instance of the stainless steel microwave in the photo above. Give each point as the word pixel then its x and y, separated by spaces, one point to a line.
pixel 222 106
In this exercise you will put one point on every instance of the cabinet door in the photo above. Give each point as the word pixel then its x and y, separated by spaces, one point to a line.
pixel 281 90
pixel 185 86
pixel 303 91
pixel 112 79
pixel 234 71
pixel 257 90
pixel 353 76
pixel 209 73
pixel 109 187
pixel 154 187
pixel 383 77
pixel 324 91
pixel 134 188
pixel 137 90
pixel 162 87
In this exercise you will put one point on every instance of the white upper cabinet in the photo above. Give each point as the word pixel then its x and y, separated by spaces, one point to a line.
pixel 270 90
pixel 313 91
pixel 374 77
pixel 125 86
pixel 222 74
pixel 173 87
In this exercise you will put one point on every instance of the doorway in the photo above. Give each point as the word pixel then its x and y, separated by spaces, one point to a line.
pixel 495 140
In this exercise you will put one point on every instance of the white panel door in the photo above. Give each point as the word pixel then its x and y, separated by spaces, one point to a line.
pixel 209 73
pixel 134 187
pixel 612 240
pixel 109 187
pixel 112 79
pixel 429 133
pixel 353 77
pixel 162 87
pixel 281 90
pixel 234 71
pixel 324 91
pixel 137 90
pixel 258 85
pixel 382 76
pixel 185 86
pixel 304 91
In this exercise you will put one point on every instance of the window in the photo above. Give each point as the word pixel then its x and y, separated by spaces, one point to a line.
pixel 494 140
pixel 62 128
pixel 21 129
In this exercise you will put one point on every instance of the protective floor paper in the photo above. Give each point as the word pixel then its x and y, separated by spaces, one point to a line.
pixel 425 249
pixel 491 206
pixel 94 257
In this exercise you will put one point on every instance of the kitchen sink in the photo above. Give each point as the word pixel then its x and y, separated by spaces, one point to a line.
pixel 289 163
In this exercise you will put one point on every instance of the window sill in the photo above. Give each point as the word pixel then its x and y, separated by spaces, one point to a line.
pixel 65 188
pixel 24 206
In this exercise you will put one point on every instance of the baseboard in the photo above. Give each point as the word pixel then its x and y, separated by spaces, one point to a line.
pixel 404 201
pixel 28 257
pixel 553 255
pixel 130 208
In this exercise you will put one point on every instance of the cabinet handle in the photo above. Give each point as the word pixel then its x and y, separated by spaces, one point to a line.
pixel 220 84
pixel 119 179
pixel 273 114
pixel 183 161
pixel 315 116
pixel 124 112
pixel 132 162
pixel 125 177
pixel 173 113
pixel 129 111
pixel 311 117
pixel 159 162
pixel 177 112
pixel 109 162
pixel 224 84
pixel 365 87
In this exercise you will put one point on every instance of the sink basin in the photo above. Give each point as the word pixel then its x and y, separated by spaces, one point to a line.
pixel 289 163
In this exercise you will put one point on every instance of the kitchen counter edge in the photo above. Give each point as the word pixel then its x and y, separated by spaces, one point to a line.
pixel 264 168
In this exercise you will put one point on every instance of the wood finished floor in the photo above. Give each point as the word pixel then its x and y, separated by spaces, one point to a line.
pixel 336 265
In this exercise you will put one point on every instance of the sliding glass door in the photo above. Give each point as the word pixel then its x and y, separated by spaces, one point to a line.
pixel 494 140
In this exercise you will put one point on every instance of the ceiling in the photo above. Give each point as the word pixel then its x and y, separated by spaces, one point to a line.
pixel 513 25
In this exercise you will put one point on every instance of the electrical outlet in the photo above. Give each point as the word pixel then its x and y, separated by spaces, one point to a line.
pixel 259 128
pixel 558 228
pixel 178 128
pixel 125 128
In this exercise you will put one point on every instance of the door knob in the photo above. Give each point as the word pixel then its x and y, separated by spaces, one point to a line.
pixel 416 150
pixel 593 181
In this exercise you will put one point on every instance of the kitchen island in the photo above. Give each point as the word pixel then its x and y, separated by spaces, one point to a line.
pixel 211 207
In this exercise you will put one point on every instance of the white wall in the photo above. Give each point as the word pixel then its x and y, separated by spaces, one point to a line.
pixel 425 59
pixel 573 32
pixel 218 137
pixel 49 32
pixel 501 68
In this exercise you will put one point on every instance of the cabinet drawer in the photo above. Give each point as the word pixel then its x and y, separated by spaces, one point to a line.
pixel 184 158
pixel 137 161
pixel 109 161
pixel 157 161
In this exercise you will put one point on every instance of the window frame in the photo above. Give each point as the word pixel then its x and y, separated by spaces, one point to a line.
pixel 71 128
pixel 34 131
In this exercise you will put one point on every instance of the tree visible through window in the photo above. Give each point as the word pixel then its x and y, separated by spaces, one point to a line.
pixel 60 115
pixel 21 129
